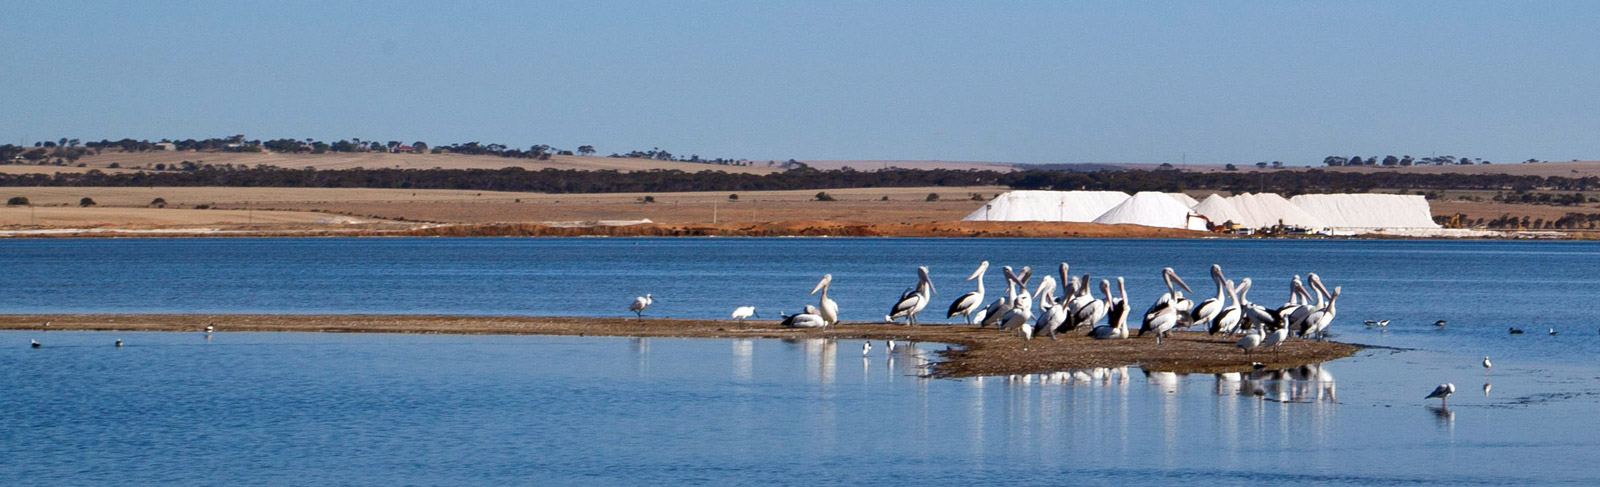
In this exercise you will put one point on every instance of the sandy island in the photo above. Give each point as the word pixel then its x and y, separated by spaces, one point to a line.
pixel 982 351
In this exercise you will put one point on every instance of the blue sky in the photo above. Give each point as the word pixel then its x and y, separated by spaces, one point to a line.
pixel 1001 81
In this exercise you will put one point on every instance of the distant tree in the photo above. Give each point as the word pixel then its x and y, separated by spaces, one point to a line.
pixel 419 147
pixel 17 201
pixel 1355 161
pixel 733 197
pixel 885 198
pixel 932 197
pixel 1230 167
pixel 161 166
pixel 1262 165
pixel 1165 165
pixel 160 202
pixel 586 149
pixel 113 165
pixel 648 199
pixel 1277 164
pixel 86 201
pixel 319 147
pixel 1406 161
pixel 824 196
pixel 1391 160
pixel 392 145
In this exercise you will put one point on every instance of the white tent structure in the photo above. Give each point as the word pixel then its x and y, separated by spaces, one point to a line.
pixel 1153 209
pixel 1217 209
pixel 1268 209
pixel 1368 211
pixel 1048 206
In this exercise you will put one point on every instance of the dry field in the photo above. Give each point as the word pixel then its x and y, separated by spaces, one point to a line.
pixel 1571 169
pixel 376 160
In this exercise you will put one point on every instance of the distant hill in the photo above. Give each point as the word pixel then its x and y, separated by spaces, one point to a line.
pixel 149 160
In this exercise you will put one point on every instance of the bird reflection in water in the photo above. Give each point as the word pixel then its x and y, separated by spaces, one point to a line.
pixel 1444 415
pixel 1304 384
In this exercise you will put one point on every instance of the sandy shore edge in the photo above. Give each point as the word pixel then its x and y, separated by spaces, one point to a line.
pixel 982 351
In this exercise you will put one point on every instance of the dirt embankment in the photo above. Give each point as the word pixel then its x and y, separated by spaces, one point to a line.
pixel 984 351
pixel 817 228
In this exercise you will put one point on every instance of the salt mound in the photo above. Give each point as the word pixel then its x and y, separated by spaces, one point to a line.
pixel 1188 201
pixel 1350 211
pixel 1268 209
pixel 1050 206
pixel 1217 209
pixel 1152 209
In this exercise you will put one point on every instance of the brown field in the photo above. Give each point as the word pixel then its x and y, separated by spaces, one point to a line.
pixel 1571 169
pixel 985 351
pixel 374 160
pixel 876 165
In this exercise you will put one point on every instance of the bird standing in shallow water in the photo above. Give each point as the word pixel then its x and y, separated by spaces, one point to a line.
pixel 119 343
pixel 34 343
pixel 866 348
pixel 638 306
pixel 1553 332
pixel 210 328
pixel 1443 392
pixel 1439 323
pixel 1486 363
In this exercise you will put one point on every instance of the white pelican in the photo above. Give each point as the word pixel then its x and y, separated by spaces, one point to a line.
pixel 1443 392
pixel 1165 314
pixel 1087 310
pixel 638 306
pixel 806 319
pixel 1300 315
pixel 912 301
pixel 992 314
pixel 1227 320
pixel 1052 313
pixel 1116 318
pixel 972 301
pixel 1207 310
pixel 1257 313
pixel 742 312
pixel 830 309
pixel 1486 363
pixel 1251 341
pixel 1021 310
pixel 1317 321
pixel 34 343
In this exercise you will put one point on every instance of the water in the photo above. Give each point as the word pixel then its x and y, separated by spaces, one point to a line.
pixel 282 408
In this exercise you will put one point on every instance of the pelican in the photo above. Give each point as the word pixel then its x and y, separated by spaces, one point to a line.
pixel 1165 314
pixel 1486 363
pixel 912 301
pixel 1299 317
pixel 992 314
pixel 742 312
pixel 1317 323
pixel 1089 310
pixel 1117 318
pixel 806 319
pixel 830 309
pixel 1443 392
pixel 971 302
pixel 638 306
pixel 1227 320
pixel 1251 341
pixel 34 343
pixel 1052 313
pixel 1016 318
pixel 1207 310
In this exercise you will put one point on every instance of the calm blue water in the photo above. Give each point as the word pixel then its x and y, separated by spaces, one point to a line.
pixel 280 408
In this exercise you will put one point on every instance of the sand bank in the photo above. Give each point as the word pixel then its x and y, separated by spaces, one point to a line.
pixel 980 351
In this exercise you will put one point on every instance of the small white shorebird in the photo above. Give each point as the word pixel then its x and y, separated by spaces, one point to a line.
pixel 742 312
pixel 889 344
pixel 34 343
pixel 119 343
pixel 1251 341
pixel 638 306
pixel 1486 363
pixel 1443 392
pixel 210 328
pixel 866 348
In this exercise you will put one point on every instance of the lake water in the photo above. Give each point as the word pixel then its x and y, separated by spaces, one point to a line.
pixel 287 409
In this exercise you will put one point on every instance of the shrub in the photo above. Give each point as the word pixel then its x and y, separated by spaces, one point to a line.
pixel 113 165
pixel 733 197
pixel 202 207
pixel 824 196
pixel 161 202
pixel 17 201
pixel 648 199
pixel 86 201
pixel 977 197
pixel 932 197
pixel 885 198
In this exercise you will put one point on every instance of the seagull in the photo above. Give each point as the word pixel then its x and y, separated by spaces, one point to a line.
pixel 1439 323
pixel 742 312
pixel 34 343
pixel 119 343
pixel 1250 341
pixel 1443 392
pixel 866 348
pixel 1515 331
pixel 638 306
pixel 1486 363
pixel 1553 332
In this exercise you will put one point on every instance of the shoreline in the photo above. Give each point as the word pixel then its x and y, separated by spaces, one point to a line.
pixel 983 352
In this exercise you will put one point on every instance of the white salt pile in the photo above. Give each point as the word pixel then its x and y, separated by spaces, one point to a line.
pixel 1367 211
pixel 1050 206
pixel 1268 209
pixel 1217 209
pixel 1153 209
pixel 1187 200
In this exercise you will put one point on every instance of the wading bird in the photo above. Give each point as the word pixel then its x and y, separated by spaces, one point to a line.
pixel 34 343
pixel 1439 323
pixel 1486 363
pixel 807 319
pixel 1168 310
pixel 1442 392
pixel 1116 318
pixel 1251 341
pixel 638 306
pixel 829 309
pixel 1089 310
pixel 1052 313
pixel 119 343
pixel 913 300
pixel 1317 323
pixel 972 301
pixel 1276 336
pixel 742 312
pixel 995 312
pixel 1227 320
pixel 1207 310
pixel 866 348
